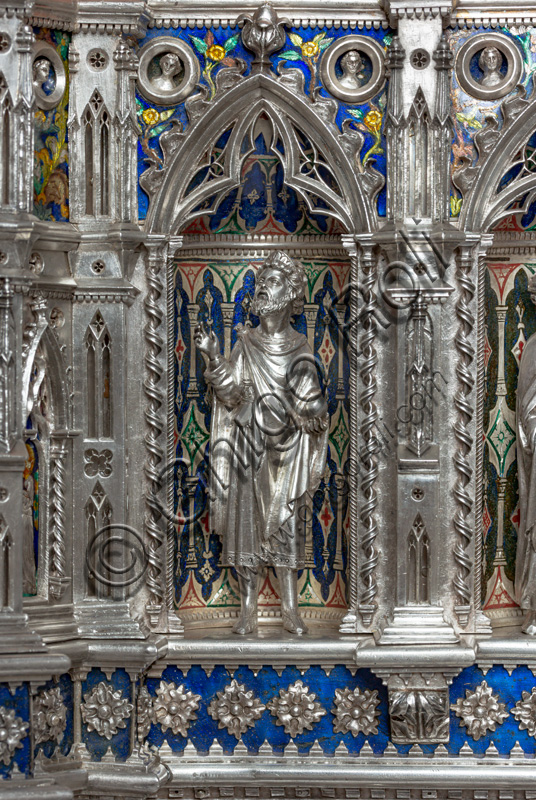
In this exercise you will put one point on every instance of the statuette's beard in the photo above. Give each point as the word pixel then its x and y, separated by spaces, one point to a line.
pixel 263 305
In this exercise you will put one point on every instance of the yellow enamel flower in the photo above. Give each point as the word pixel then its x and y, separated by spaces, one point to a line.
pixel 150 116
pixel 373 121
pixel 310 49
pixel 216 53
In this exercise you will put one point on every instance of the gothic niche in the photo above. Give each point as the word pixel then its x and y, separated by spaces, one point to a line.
pixel 99 372
pixel 214 279
pixel 418 589
pixel 43 498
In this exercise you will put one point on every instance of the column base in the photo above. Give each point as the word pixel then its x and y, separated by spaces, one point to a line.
pixel 417 625
pixel 106 619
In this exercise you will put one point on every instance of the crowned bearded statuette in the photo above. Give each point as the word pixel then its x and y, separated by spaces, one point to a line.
pixel 268 441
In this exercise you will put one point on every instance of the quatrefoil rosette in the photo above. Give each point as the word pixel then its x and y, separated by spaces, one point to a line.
pixel 236 708
pixel 13 730
pixel 524 712
pixel 50 716
pixel 296 709
pixel 105 710
pixel 174 707
pixel 480 710
pixel 356 711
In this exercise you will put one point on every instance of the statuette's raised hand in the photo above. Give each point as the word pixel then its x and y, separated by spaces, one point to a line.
pixel 206 341
pixel 316 424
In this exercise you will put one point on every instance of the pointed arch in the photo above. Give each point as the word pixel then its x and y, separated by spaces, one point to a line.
pixel 98 513
pixel 45 341
pixel 418 566
pixel 6 109
pixel 486 203
pixel 98 342
pixel 7 565
pixel 96 122
pixel 233 117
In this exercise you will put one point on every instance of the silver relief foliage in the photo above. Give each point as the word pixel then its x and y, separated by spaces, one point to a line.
pixel 174 707
pixel 524 712
pixel 105 710
pixel 356 711
pixel 296 709
pixel 144 712
pixel 13 730
pixel 263 33
pixel 236 708
pixel 50 715
pixel 418 715
pixel 480 710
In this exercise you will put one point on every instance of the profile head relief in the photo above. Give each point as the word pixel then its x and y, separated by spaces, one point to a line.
pixel 41 69
pixel 280 282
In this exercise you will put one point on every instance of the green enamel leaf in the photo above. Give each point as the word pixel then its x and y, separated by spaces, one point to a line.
pixel 199 44
pixel 158 130
pixel 455 206
pixel 388 39
pixel 325 43
pixel 470 121
pixel 290 55
pixel 166 114
pixel 231 43
pixel 296 40
pixel 356 112
pixel 319 37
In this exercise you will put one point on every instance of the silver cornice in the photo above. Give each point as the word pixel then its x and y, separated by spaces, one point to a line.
pixel 447 775
pixel 493 14
pixel 90 291
pixel 236 245
pixel 165 13
pixel 59 14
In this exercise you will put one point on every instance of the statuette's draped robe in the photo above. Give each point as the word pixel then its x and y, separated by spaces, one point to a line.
pixel 264 466
pixel 525 582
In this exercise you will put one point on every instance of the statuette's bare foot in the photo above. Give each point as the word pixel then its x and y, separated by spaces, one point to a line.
pixel 293 623
pixel 246 622
pixel 529 623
